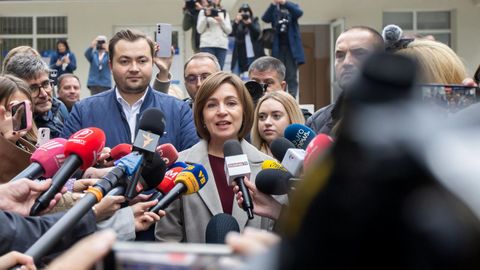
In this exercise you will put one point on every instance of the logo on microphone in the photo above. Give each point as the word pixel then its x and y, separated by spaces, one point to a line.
pixel 301 137
pixel 82 134
pixel 147 139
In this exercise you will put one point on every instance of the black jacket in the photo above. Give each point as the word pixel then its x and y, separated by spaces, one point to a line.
pixel 239 31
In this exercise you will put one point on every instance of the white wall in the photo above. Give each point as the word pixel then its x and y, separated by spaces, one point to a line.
pixel 88 18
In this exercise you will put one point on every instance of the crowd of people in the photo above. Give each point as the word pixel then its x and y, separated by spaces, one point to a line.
pixel 339 215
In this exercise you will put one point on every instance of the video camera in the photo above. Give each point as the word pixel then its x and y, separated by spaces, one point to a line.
pixel 100 41
pixel 213 12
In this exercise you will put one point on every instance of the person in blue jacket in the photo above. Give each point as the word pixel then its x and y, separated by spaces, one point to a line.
pixel 118 110
pixel 63 60
pixel 287 42
pixel 99 73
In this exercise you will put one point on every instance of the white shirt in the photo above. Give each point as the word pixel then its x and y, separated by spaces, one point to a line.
pixel 130 111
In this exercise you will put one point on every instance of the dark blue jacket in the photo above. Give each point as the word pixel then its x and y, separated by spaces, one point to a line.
pixel 70 68
pixel 98 76
pixel 105 112
pixel 54 119
pixel 272 15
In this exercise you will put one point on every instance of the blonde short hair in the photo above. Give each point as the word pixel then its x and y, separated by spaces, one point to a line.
pixel 438 63
pixel 294 114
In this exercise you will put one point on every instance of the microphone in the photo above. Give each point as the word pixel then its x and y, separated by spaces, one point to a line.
pixel 316 148
pixel 279 147
pixel 46 160
pixel 189 181
pixel 218 227
pixel 272 164
pixel 120 151
pixel 168 152
pixel 300 135
pixel 293 161
pixel 168 181
pixel 151 127
pixel 274 181
pixel 236 168
pixel 125 167
pixel 81 150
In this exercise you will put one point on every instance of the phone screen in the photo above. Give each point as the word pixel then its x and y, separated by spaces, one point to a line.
pixel 20 116
pixel 450 97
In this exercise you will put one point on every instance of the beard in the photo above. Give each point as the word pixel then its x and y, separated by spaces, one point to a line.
pixel 127 88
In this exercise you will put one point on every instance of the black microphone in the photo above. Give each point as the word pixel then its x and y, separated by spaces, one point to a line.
pixel 274 181
pixel 280 146
pixel 218 227
pixel 236 168
pixel 151 128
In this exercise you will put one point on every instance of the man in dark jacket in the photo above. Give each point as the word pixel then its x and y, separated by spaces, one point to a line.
pixel 287 42
pixel 118 110
pixel 353 46
pixel 247 48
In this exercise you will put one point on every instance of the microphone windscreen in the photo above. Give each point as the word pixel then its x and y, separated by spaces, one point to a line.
pixel 153 172
pixel 316 148
pixel 87 144
pixel 232 148
pixel 391 34
pixel 218 227
pixel 194 177
pixel 152 120
pixel 168 181
pixel 273 181
pixel 50 156
pixel 279 147
pixel 168 153
pixel 120 151
pixel 272 164
pixel 300 135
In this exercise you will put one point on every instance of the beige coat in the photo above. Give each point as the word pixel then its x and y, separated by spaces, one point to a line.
pixel 186 219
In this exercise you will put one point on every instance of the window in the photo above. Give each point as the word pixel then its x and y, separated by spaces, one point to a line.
pixel 39 32
pixel 435 23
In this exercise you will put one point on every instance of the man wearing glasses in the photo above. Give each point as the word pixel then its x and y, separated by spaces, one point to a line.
pixel 49 112
pixel 195 70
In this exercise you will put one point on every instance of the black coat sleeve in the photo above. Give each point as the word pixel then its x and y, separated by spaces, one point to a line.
pixel 19 233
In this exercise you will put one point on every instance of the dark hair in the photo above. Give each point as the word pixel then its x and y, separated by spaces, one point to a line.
pixel 246 7
pixel 378 42
pixel 267 63
pixel 476 76
pixel 130 35
pixel 208 88
pixel 64 42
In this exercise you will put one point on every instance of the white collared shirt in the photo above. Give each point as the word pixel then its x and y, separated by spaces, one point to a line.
pixel 130 111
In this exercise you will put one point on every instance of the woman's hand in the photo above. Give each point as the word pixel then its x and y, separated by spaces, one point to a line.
pixel 264 205
pixel 143 218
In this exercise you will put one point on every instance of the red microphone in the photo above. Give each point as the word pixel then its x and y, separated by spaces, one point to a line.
pixel 46 160
pixel 168 181
pixel 82 150
pixel 316 148
pixel 120 151
pixel 168 153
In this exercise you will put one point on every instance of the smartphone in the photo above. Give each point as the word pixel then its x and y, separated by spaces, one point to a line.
pixel 145 256
pixel 451 97
pixel 43 136
pixel 163 37
pixel 21 116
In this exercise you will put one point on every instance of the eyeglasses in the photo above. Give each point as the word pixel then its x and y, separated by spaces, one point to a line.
pixel 191 79
pixel 45 85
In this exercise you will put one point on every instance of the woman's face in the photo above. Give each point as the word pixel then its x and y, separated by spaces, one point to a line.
pixel 223 114
pixel 272 120
pixel 61 48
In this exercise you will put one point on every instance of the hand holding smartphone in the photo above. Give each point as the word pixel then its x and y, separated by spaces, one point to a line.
pixel 163 37
pixel 21 116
